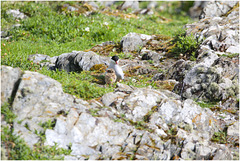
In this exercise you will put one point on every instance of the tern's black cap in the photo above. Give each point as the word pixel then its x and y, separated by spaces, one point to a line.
pixel 115 58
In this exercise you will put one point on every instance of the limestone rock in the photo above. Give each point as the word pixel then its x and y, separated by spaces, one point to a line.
pixel 214 9
pixel 78 61
pixel 25 134
pixel 223 153
pixel 40 95
pixel 233 130
pixel 131 42
pixel 10 79
pixel 140 102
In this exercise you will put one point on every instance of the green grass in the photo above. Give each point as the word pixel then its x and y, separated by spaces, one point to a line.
pixel 17 148
pixel 52 31
pixel 220 137
pixel 49 31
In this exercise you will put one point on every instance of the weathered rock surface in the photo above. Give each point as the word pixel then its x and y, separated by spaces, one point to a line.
pixel 151 55
pixel 133 42
pixel 78 61
pixel 43 60
pixel 9 81
pixel 197 8
pixel 213 77
pixel 130 122
pixel 138 123
pixel 217 8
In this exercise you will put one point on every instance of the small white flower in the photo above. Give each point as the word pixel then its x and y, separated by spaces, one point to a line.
pixel 105 23
pixel 87 29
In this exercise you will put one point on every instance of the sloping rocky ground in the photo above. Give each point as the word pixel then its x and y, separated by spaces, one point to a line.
pixel 140 123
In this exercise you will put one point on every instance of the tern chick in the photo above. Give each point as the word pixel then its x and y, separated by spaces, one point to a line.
pixel 110 76
pixel 118 70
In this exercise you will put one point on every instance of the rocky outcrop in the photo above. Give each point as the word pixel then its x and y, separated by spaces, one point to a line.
pixel 137 123
pixel 217 8
pixel 214 76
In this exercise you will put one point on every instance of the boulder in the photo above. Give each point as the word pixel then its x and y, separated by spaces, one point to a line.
pixel 10 79
pixel 36 99
pixel 38 95
pixel 131 42
pixel 78 61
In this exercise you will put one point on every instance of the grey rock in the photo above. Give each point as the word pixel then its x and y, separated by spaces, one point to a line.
pixel 222 153
pixel 151 55
pixel 32 126
pixel 10 79
pixel 158 76
pixel 124 88
pixel 226 67
pixel 169 110
pixel 53 138
pixel 233 130
pixel 140 102
pixel 233 49
pixel 69 157
pixel 109 98
pixel 78 61
pixel 129 4
pixel 71 8
pixel 37 58
pixel 197 8
pixel 178 70
pixel 43 60
pixel 25 134
pixel 203 152
pixel 16 14
pixel 81 149
pixel 205 83
pixel 39 95
pixel 131 42
pixel 213 9
pixel 207 58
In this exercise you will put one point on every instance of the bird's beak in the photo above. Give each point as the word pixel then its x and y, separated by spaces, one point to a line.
pixel 116 62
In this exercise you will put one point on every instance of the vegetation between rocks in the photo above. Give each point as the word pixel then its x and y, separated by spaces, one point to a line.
pixel 13 147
